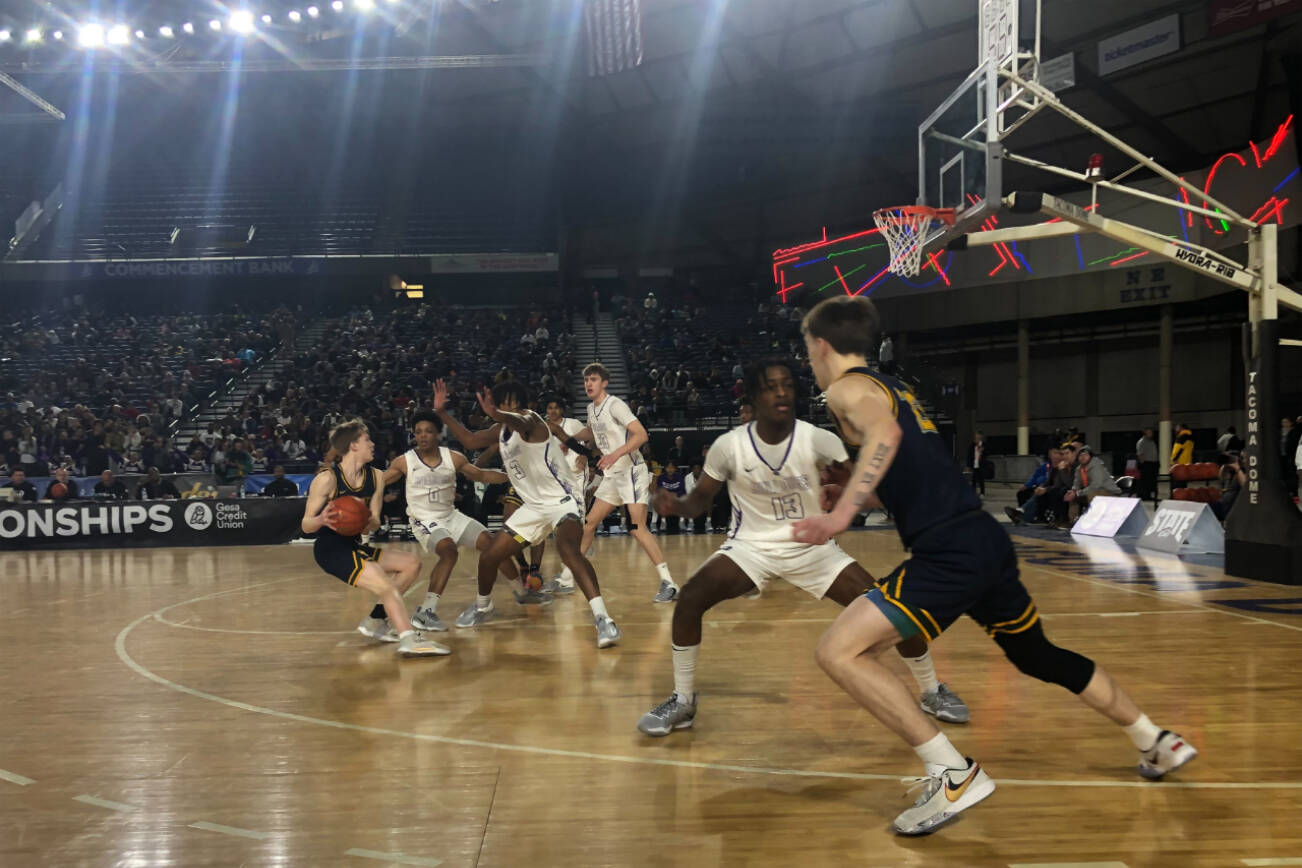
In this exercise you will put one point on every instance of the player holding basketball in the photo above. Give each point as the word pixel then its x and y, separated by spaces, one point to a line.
pixel 431 480
pixel 619 436
pixel 961 562
pixel 772 466
pixel 387 574
pixel 532 457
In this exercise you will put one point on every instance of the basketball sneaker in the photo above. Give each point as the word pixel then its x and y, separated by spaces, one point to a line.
pixel 473 616
pixel 428 620
pixel 941 703
pixel 531 598
pixel 561 585
pixel 1014 514
pixel 944 797
pixel 667 594
pixel 667 716
pixel 377 628
pixel 607 633
pixel 1167 754
pixel 412 645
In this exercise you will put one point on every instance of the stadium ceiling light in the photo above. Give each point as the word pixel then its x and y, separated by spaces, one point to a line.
pixel 166 32
pixel 266 19
pixel 5 35
pixel 58 34
pixel 337 5
pixel 313 12
pixel 140 34
pixel 90 36
pixel 241 21
pixel 295 16
pixel 364 5
pixel 215 24
pixel 33 35
pixel 188 27
pixel 118 35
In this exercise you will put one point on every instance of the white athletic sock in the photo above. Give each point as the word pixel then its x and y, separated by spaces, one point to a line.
pixel 431 601
pixel 663 570
pixel 938 755
pixel 924 672
pixel 567 576
pixel 598 607
pixel 685 672
pixel 1143 732
pixel 483 603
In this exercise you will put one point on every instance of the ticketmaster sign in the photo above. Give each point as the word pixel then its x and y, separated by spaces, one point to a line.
pixel 1140 44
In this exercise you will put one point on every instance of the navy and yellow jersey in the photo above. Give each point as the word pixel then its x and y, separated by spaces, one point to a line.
pixel 924 486
pixel 365 491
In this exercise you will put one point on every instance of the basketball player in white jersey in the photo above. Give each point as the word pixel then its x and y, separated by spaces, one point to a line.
pixel 619 436
pixel 577 462
pixel 431 473
pixel 532 457
pixel 773 467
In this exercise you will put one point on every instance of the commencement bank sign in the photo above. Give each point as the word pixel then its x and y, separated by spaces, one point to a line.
pixel 1144 42
pixel 201 268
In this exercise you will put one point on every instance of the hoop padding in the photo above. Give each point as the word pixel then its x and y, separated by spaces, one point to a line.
pixel 908 229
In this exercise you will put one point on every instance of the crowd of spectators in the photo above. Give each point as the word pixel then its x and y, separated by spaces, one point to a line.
pixel 685 361
pixel 379 364
pixel 93 390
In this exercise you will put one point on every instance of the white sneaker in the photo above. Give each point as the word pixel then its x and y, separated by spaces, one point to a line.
pixel 413 645
pixel 559 586
pixel 378 629
pixel 1167 754
pixel 427 621
pixel 473 616
pixel 607 633
pixel 944 797
pixel 667 594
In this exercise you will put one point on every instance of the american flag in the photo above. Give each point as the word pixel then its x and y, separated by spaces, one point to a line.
pixel 614 35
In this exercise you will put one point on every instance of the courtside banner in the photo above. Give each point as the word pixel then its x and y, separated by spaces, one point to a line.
pixel 127 524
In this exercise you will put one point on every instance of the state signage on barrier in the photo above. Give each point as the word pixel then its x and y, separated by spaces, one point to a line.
pixel 1112 516
pixel 1183 526
pixel 127 524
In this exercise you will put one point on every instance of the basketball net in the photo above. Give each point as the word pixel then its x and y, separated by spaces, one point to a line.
pixel 908 229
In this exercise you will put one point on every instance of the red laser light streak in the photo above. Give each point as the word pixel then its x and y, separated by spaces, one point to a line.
pixel 1128 258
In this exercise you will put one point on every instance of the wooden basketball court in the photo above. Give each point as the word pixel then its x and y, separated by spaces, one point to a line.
pixel 213 707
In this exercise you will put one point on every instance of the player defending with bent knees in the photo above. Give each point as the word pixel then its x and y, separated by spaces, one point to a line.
pixel 387 574
pixel 772 467
pixel 440 528
pixel 961 562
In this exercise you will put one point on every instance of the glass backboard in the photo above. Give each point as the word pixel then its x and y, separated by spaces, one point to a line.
pixel 959 164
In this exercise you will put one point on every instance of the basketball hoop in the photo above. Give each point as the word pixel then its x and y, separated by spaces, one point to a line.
pixel 908 229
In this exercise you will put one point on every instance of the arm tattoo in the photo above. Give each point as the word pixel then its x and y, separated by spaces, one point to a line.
pixel 868 481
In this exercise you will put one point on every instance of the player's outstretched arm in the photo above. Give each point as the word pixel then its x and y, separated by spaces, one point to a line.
pixel 316 514
pixel 866 415
pixel 467 438
pixel 525 424
pixel 478 474
pixel 695 503
pixel 396 470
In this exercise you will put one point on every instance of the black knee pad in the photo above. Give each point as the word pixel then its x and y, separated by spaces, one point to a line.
pixel 1034 655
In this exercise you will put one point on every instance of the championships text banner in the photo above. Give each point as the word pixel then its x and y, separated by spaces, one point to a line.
pixel 127 524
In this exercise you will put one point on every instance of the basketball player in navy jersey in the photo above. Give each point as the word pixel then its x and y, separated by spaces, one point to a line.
pixel 772 467
pixel 387 574
pixel 961 562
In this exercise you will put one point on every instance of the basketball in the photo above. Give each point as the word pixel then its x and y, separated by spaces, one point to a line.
pixel 353 515
pixel 57 491
pixel 532 581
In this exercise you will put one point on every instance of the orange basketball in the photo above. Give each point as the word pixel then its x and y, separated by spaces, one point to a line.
pixel 57 491
pixel 352 515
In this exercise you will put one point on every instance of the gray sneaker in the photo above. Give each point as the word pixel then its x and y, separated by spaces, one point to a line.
pixel 474 616
pixel 378 629
pixel 428 620
pixel 667 594
pixel 944 704
pixel 607 633
pixel 531 598
pixel 413 645
pixel 558 588
pixel 668 716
